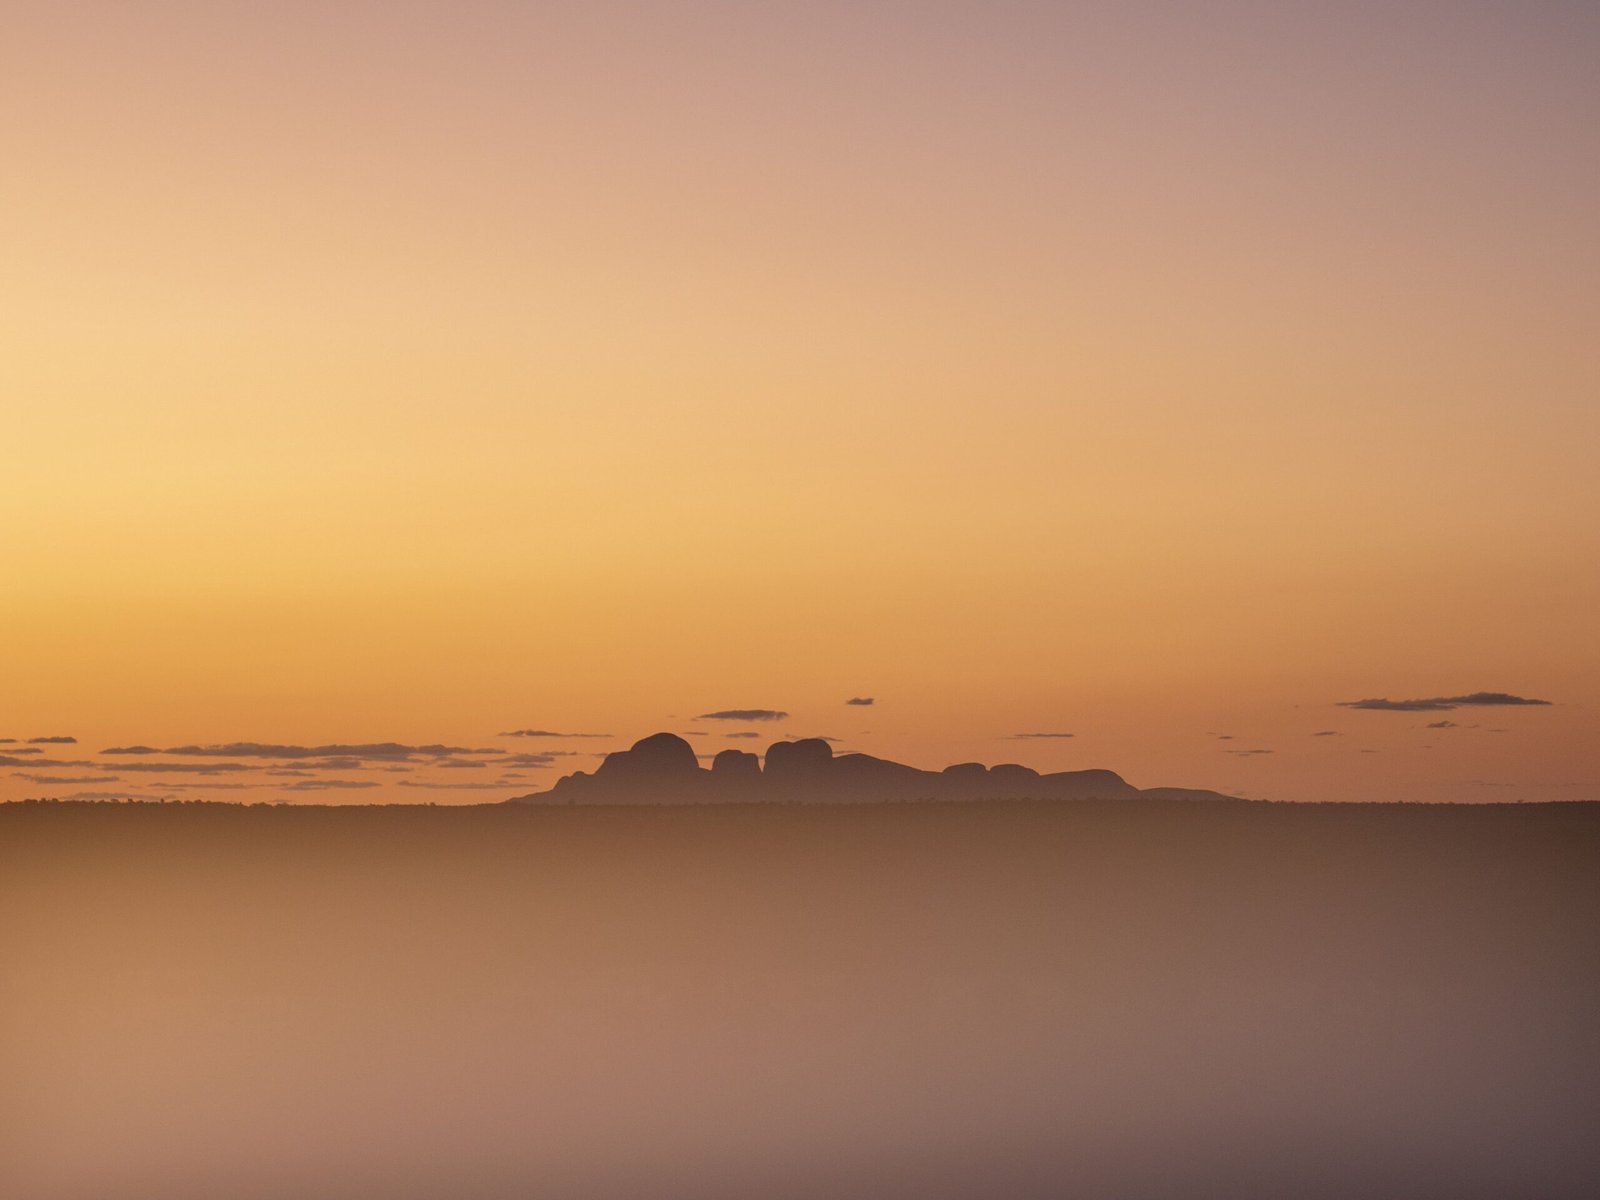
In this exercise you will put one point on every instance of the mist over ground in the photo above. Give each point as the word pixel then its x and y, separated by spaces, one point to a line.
pixel 1020 999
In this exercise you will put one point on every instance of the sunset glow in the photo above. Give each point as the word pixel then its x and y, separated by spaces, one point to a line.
pixel 1165 375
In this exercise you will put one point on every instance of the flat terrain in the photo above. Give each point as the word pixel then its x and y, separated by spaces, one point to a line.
pixel 922 1000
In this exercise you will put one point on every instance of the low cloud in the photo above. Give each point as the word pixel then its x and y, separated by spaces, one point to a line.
pixel 743 733
pixel 460 787
pixel 459 764
pixel 1442 725
pixel 744 714
pixel 188 768
pixel 210 786
pixel 12 760
pixel 63 779
pixel 550 733
pixel 53 741
pixel 860 701
pixel 326 785
pixel 1327 733
pixel 364 752
pixel 1443 703
pixel 531 760
pixel 1041 735
pixel 1247 753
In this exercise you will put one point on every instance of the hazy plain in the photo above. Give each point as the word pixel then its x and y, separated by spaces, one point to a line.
pixel 1146 999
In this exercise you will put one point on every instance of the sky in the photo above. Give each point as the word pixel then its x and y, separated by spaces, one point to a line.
pixel 1166 375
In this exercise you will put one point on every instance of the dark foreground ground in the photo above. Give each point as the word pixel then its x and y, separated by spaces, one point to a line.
pixel 921 1001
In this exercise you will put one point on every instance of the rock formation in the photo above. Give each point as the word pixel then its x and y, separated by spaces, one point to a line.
pixel 663 769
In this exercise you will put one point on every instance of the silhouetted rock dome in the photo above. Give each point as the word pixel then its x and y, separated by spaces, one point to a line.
pixel 735 765
pixel 659 756
pixel 966 770
pixel 1011 773
pixel 788 760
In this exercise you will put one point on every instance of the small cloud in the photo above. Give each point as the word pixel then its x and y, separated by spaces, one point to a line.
pixel 743 733
pixel 1442 725
pixel 1224 737
pixel 328 785
pixel 28 750
pixel 7 741
pixel 1444 703
pixel 549 733
pixel 860 701
pixel 1327 733
pixel 744 714
pixel 458 764
pixel 53 741
pixel 1040 735
pixel 1247 753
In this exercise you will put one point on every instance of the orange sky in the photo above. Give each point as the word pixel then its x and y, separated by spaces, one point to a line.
pixel 420 372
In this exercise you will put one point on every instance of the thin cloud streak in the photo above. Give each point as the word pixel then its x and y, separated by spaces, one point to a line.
pixel 1444 703
pixel 186 768
pixel 63 779
pixel 549 733
pixel 502 786
pixel 366 752
pixel 328 785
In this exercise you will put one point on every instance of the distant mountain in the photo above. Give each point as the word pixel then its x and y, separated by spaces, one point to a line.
pixel 663 769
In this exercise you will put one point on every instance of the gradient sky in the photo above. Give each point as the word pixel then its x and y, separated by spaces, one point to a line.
pixel 1165 374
